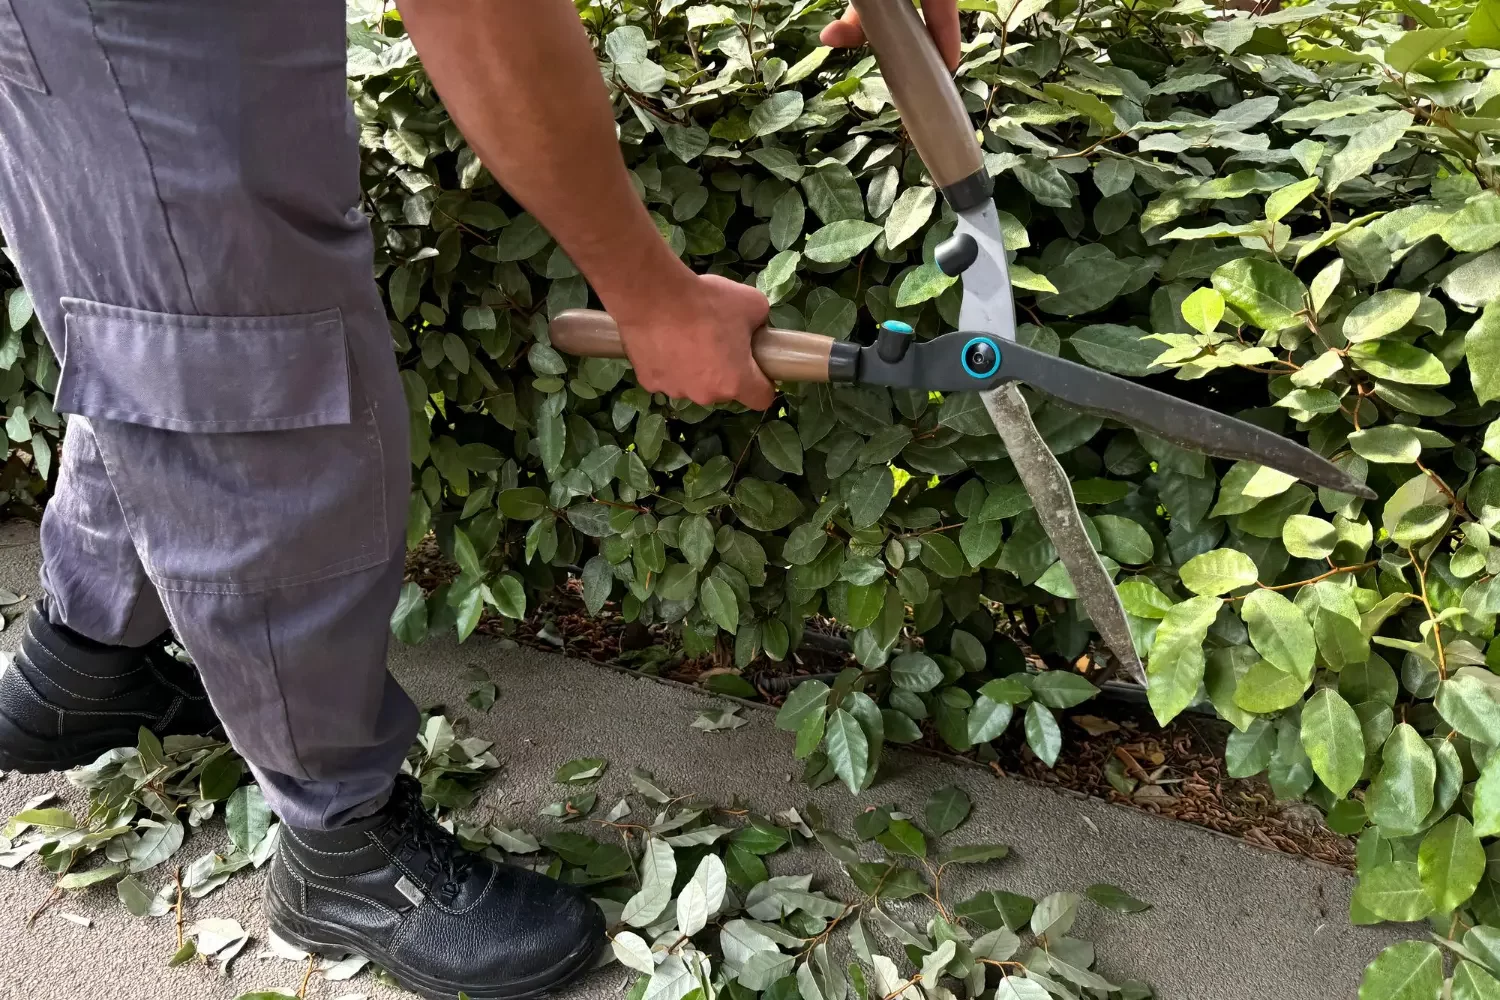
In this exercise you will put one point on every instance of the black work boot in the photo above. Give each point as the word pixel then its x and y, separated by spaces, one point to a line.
pixel 401 891
pixel 65 699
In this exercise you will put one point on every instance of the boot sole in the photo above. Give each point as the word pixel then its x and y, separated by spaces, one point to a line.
pixel 22 752
pixel 336 943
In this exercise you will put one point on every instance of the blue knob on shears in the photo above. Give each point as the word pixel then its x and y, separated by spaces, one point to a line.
pixel 981 357
pixel 893 340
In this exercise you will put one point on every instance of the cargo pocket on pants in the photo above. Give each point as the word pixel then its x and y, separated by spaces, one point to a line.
pixel 242 452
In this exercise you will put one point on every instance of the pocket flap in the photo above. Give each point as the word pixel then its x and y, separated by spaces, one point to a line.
pixel 204 373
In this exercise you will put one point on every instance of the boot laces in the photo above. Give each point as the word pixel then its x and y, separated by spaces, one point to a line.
pixel 448 862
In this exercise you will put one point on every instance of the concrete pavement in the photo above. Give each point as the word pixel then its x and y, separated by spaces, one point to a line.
pixel 1229 921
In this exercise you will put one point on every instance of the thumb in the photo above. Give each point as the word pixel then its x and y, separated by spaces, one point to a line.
pixel 845 33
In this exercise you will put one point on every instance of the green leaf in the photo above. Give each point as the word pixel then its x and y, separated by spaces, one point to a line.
pixel 1285 199
pixel 1470 982
pixel 1144 599
pixel 833 193
pixel 695 538
pixel 718 600
pixel 1265 293
pixel 1123 350
pixel 1061 689
pixel 1333 740
pixel 909 214
pixel 1267 688
pixel 1482 348
pixel 1203 310
pixel 1112 897
pixel 1487 799
pixel 1082 102
pixel 1218 572
pixel 973 854
pixel 1364 148
pixel 409 619
pixel 760 837
pixel 1381 314
pixel 915 672
pixel 1308 537
pixel 807 698
pixel 946 809
pixel 1390 444
pixel 1248 753
pixel 583 771
pixel 1394 892
pixel 189 951
pixel 1465 702
pixel 787 218
pixel 1176 663
pixel 1280 633
pixel 1413 46
pixel 840 241
pixel 941 555
pixel 510 596
pixel 776 112
pixel 523 504
pixel 848 750
pixel 1043 734
pixel 1402 793
pixel 247 816
pixel 1399 362
pixel 900 837
pixel 1411 970
pixel 777 280
pixel 220 777
pixel 988 719
pixel 82 880
pixel 782 447
pixel 18 308
pixel 1123 539
pixel 1451 862
pixel 870 495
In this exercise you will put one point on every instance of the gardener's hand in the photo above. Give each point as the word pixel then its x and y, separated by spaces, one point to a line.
pixel 942 24
pixel 691 337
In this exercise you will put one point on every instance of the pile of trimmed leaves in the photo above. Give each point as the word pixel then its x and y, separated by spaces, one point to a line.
pixel 694 908
pixel 143 802
pixel 686 884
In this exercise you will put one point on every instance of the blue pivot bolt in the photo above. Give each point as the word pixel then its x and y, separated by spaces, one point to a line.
pixel 893 340
pixel 981 357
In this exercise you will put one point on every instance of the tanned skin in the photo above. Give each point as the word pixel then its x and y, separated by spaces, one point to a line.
pixel 522 83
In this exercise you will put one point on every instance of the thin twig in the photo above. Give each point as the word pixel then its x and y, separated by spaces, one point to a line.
pixel 1437 481
pixel 1437 626
pixel 307 976
pixel 54 897
pixel 1336 571
pixel 177 875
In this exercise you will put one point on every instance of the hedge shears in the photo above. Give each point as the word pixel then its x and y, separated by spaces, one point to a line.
pixel 984 356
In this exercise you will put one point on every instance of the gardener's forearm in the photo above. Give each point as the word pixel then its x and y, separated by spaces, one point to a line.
pixel 522 82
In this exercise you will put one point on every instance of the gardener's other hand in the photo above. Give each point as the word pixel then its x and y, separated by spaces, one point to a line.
pixel 942 24
pixel 692 340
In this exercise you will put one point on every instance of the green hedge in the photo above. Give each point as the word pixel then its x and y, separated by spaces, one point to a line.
pixel 1291 217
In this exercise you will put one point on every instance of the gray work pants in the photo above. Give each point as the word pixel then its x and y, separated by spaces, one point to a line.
pixel 179 183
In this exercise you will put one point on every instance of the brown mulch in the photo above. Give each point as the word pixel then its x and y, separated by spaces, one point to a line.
pixel 1177 771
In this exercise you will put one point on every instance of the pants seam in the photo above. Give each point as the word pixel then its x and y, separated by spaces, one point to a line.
pixel 286 715
pixel 145 152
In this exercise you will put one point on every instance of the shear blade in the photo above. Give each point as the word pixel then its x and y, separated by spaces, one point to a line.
pixel 1185 424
